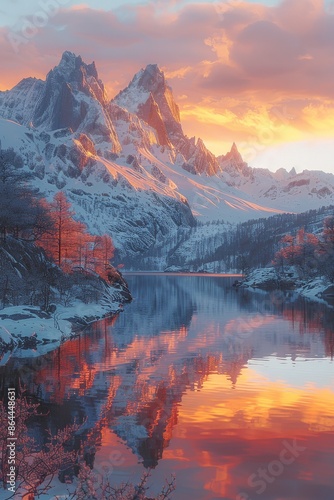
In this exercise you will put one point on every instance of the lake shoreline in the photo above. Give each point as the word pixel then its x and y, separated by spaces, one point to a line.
pixel 316 289
pixel 27 332
pixel 46 332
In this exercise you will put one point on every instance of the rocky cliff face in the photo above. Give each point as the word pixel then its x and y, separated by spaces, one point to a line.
pixel 19 103
pixel 233 164
pixel 72 97
pixel 152 100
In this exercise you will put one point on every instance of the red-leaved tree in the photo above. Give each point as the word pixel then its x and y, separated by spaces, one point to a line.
pixel 298 251
pixel 101 251
pixel 64 244
pixel 70 245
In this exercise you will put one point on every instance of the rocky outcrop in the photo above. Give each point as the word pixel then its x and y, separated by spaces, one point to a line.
pixel 150 97
pixel 233 164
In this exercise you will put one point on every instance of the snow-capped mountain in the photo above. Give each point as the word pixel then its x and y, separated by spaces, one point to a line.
pixel 126 164
pixel 299 192
pixel 151 99
pixel 72 97
pixel 64 132
pixel 134 207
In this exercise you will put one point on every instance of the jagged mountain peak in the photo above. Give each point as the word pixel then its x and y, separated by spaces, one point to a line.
pixel 153 69
pixel 73 98
pixel 152 79
pixel 150 84
pixel 234 150
pixel 69 60
pixel 233 164
pixel 234 155
pixel 79 75
pixel 71 65
pixel 126 170
pixel 149 96
pixel 18 104
pixel 151 99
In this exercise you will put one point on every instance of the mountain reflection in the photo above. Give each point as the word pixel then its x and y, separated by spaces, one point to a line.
pixel 160 378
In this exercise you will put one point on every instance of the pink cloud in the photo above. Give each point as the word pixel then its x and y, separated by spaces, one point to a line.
pixel 237 56
pixel 266 49
pixel 262 49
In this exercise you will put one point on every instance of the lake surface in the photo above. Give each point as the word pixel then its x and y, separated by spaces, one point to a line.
pixel 230 390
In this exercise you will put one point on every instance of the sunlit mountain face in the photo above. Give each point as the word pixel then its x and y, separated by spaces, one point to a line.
pixel 128 167
pixel 212 386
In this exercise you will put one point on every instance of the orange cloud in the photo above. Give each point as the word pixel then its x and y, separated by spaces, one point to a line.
pixel 235 62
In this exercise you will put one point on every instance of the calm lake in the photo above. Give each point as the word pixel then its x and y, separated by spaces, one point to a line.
pixel 230 390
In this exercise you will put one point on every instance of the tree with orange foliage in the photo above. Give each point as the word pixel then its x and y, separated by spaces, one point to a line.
pixel 307 245
pixel 298 251
pixel 101 253
pixel 69 243
pixel 65 243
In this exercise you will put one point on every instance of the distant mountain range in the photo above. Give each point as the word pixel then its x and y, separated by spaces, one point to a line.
pixel 127 166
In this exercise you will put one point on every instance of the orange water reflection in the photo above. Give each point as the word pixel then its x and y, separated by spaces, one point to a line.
pixel 228 435
pixel 212 399
pixel 194 421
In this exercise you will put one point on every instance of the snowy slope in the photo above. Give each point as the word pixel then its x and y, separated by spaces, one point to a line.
pixel 216 188
pixel 18 104
pixel 109 196
pixel 299 192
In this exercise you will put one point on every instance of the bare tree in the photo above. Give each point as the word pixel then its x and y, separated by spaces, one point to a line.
pixel 21 211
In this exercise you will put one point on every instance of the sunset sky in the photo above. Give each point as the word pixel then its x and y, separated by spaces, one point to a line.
pixel 260 73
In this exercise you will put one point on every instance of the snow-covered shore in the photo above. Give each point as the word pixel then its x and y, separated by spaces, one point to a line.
pixel 26 331
pixel 318 289
pixel 43 306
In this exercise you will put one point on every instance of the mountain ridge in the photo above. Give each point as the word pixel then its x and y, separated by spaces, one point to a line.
pixel 127 165
pixel 155 104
